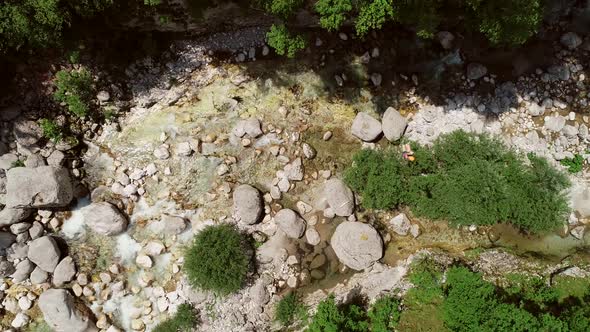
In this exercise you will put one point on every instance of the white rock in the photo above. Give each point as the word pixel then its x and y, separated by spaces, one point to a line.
pixel 366 127
pixel 162 152
pixel 312 236
pixel 25 303
pixel 20 320
pixel 144 261
pixel 393 124
pixel 400 224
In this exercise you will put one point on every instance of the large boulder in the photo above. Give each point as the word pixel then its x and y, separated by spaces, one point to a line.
pixel 357 245
pixel 39 187
pixel 340 198
pixel 104 218
pixel 27 133
pixel 9 216
pixel 394 124
pixel 366 127
pixel 290 223
pixel 62 314
pixel 64 272
pixel 45 253
pixel 248 206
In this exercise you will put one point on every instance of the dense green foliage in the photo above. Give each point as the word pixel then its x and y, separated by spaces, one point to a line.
pixel 506 21
pixel 217 259
pixel 373 15
pixel 333 13
pixel 184 320
pixel 289 309
pixel 423 15
pixel 283 42
pixel 39 23
pixel 461 300
pixel 382 316
pixel 465 179
pixel 575 164
pixel 51 130
pixel 528 304
pixel 282 8
pixel 74 88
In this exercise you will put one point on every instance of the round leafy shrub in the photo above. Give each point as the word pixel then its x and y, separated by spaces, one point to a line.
pixel 218 259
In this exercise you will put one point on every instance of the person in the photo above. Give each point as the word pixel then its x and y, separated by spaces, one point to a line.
pixel 407 153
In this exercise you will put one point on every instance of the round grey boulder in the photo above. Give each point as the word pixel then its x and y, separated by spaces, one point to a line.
pixel 357 245
pixel 290 223
pixel 45 253
pixel 340 198
pixel 62 314
pixel 104 218
pixel 9 216
pixel 394 124
pixel 247 205
pixel 366 127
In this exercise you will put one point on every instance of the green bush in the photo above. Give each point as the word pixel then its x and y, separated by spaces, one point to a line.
pixel 373 15
pixel 75 89
pixel 424 15
pixel 509 22
pixel 282 8
pixel 574 165
pixel 289 309
pixel 283 43
pixel 384 315
pixel 39 23
pixel 184 320
pixel 465 179
pixel 217 259
pixel 333 13
pixel 35 23
pixel 51 130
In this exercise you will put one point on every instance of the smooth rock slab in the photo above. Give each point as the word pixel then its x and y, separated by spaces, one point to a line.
pixel 357 245
pixel 290 223
pixel 340 198
pixel 247 204
pixel 104 218
pixel 45 253
pixel 366 127
pixel 39 187
pixel 62 314
pixel 393 124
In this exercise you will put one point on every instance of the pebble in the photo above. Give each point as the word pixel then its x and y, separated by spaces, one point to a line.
pixel 25 303
pixel 144 261
pixel 327 136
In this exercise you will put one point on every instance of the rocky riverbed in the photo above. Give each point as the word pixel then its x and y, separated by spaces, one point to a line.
pixel 99 229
